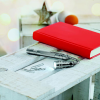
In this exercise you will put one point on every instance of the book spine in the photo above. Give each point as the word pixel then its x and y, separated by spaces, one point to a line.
pixel 60 44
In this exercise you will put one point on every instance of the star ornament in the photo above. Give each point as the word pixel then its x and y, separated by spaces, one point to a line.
pixel 44 15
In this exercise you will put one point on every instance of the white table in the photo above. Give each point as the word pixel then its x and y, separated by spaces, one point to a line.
pixel 66 84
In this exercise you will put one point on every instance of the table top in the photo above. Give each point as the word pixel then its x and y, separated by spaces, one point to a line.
pixel 43 84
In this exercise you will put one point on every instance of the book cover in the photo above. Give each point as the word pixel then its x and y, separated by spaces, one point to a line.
pixel 70 38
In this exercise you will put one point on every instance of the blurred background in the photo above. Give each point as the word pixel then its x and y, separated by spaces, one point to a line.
pixel 11 10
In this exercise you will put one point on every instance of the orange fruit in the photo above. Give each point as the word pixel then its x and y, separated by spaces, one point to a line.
pixel 71 19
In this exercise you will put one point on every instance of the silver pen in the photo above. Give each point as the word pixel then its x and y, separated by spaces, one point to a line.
pixel 49 54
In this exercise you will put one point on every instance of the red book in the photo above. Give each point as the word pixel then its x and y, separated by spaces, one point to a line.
pixel 70 38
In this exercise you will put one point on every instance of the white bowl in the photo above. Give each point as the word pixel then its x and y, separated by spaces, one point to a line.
pixel 60 17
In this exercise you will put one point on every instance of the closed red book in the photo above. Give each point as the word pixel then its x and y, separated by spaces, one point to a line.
pixel 70 38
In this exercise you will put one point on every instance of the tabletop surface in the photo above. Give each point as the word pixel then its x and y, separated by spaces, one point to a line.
pixel 46 83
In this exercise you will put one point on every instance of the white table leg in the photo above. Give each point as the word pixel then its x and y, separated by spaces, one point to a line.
pixel 67 95
pixel 97 87
pixel 79 92
pixel 82 90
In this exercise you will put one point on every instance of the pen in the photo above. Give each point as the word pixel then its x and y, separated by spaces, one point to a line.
pixel 49 54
